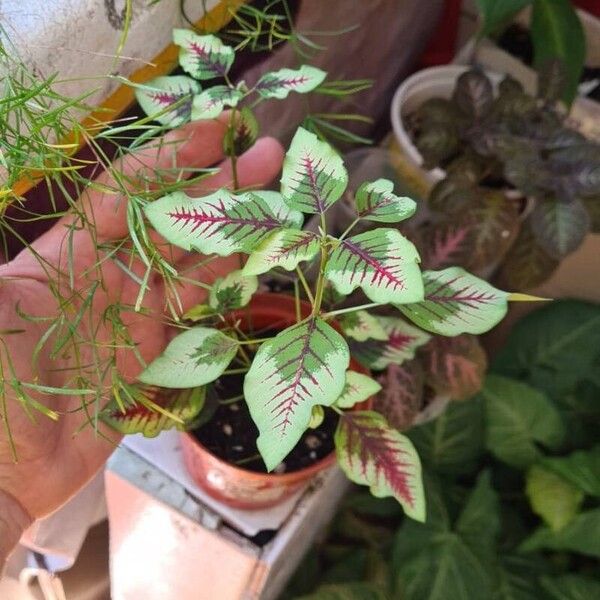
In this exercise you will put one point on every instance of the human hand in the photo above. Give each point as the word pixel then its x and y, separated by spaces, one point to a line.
pixel 53 463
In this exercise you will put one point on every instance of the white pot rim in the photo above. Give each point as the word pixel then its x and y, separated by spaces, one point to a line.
pixel 426 84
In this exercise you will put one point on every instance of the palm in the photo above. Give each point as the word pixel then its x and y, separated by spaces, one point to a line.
pixel 53 463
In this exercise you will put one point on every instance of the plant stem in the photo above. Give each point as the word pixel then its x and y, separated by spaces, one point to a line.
pixel 233 158
pixel 233 400
pixel 305 285
pixel 321 278
pixel 342 311
pixel 235 371
pixel 349 229
pixel 256 341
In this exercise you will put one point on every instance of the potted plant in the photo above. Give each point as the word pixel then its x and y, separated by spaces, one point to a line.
pixel 519 185
pixel 296 365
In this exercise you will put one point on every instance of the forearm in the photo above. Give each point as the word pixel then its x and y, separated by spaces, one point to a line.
pixel 13 522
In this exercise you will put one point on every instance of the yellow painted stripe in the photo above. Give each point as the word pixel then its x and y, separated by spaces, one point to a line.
pixel 122 98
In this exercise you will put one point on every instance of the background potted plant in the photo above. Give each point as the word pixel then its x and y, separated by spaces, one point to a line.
pixel 511 478
pixel 292 374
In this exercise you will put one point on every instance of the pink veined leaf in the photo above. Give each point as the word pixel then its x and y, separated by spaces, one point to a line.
pixel 401 395
pixel 156 96
pixel 401 344
pixel 150 410
pixel 202 56
pixel 455 366
pixel 457 302
pixel 280 83
pixel 445 245
pixel 221 223
pixel 285 248
pixel 382 262
pixel 371 453
pixel 302 366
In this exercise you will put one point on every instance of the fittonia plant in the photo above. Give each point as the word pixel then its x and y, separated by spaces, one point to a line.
pixel 303 368
pixel 178 99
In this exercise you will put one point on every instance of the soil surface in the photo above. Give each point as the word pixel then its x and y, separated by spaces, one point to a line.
pixel 231 434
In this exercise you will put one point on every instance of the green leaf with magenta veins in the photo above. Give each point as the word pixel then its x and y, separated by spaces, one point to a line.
pixel 304 368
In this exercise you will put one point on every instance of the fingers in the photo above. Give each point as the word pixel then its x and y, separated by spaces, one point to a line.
pixel 256 168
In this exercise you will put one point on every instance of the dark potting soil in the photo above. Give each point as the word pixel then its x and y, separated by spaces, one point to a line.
pixel 231 434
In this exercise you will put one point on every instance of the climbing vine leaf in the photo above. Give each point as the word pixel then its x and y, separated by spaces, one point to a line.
pixel 203 56
pixel 376 201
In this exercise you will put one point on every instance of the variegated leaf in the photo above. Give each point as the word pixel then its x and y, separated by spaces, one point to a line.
pixel 361 325
pixel 455 366
pixel 493 224
pixel 203 56
pixel 222 223
pixel 445 244
pixel 285 248
pixel 317 415
pixel 242 135
pixel 232 291
pixel 156 96
pixel 526 265
pixel 371 453
pixel 195 357
pixel 358 388
pixel 559 227
pixel 402 341
pixel 198 313
pixel 402 390
pixel 314 176
pixel 382 262
pixel 457 302
pixel 302 366
pixel 212 102
pixel 280 83
pixel 376 201
pixel 140 409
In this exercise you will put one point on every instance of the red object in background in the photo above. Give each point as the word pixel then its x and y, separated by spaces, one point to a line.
pixel 591 6
pixel 442 45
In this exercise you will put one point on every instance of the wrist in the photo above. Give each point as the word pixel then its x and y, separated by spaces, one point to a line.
pixel 14 520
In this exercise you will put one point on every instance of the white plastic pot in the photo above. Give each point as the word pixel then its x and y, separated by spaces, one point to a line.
pixel 435 82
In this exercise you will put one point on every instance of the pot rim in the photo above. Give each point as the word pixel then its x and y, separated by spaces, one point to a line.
pixel 444 74
pixel 306 472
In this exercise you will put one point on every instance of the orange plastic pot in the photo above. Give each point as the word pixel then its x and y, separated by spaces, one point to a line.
pixel 235 486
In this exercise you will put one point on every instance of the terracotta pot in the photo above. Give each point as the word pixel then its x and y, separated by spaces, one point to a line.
pixel 235 486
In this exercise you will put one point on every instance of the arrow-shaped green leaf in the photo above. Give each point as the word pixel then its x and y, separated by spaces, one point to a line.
pixel 457 302
pixel 382 262
pixel 371 453
pixel 285 248
pixel 222 223
pixel 203 56
pixel 195 357
pixel 302 366
pixel 280 83
pixel 376 201
pixel 314 176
